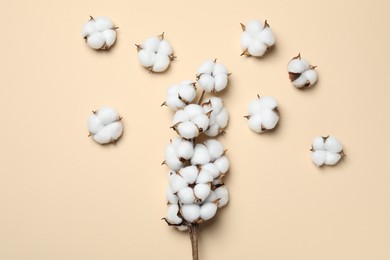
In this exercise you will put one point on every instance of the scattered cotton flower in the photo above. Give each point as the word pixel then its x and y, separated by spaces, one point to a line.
pixel 326 150
pixel 257 38
pixel 155 53
pixel 301 74
pixel 212 76
pixel 99 33
pixel 263 114
pixel 105 125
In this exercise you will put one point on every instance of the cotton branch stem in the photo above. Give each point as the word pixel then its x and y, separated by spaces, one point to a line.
pixel 194 235
pixel 201 97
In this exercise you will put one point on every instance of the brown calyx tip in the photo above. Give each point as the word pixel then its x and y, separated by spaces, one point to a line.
pixel 172 57
pixel 209 113
pixel 94 111
pixel 139 47
pixel 245 52
pixel 164 162
pixel 89 135
pixel 297 57
pixel 266 23
pixel 91 18
pixel 163 104
pixel 325 137
pixel 162 36
pixel 312 67
pixel 247 117
pixel 215 60
pixel 343 154
pixel 258 96
pixel 243 27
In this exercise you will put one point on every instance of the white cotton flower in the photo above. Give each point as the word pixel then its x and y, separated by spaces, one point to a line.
pixel 99 33
pixel 178 151
pixel 219 116
pixel 263 114
pixel 202 191
pixel 301 74
pixel 177 182
pixel 201 155
pixel 190 121
pixel 172 214
pixel 186 195
pixel 257 38
pixel 212 76
pixel 326 150
pixel 171 197
pixel 190 212
pixel 222 194
pixel 105 125
pixel 208 211
pixel 155 53
pixel 180 95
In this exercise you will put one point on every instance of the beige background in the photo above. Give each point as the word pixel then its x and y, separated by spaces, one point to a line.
pixel 62 196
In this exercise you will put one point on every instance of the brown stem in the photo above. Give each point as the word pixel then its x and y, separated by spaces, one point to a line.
pixel 194 235
pixel 201 97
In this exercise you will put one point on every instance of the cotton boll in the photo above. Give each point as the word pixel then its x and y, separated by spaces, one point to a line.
pixel 186 195
pixel 173 162
pixel 189 173
pixel 220 69
pixel 207 82
pixel 267 36
pixel 202 191
pixel 263 114
pixel 99 33
pixel 318 157
pixel 207 67
pixel 187 130
pixel 180 116
pixel 185 150
pixel 89 28
pixel 212 197
pixel 213 130
pixel 318 143
pixel 104 23
pixel 204 177
pixel 222 118
pixel 172 198
pixel 96 40
pixel 161 62
pixel 212 169
pixel 223 196
pixel 105 125
pixel 157 54
pixel 254 123
pixel 269 119
pixel 110 37
pixel 177 182
pixel 172 214
pixel 208 211
pixel 201 121
pixel 220 82
pixel 254 27
pixel 222 164
pixel 94 124
pixel 187 92
pixel 193 110
pixel 332 144
pixel 301 74
pixel 146 58
pixel 201 155
pixel 190 212
pixel 245 40
pixel 257 48
pixel 332 158
pixel 215 148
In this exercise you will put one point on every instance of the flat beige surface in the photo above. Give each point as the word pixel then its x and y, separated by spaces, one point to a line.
pixel 64 197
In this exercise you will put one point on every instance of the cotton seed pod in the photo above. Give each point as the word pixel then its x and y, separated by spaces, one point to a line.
pixel 105 125
pixel 208 210
pixel 172 214
pixel 215 149
pixel 219 116
pixel 171 197
pixel 301 74
pixel 257 38
pixel 155 53
pixel 263 114
pixel 190 121
pixel 177 182
pixel 202 191
pixel 186 195
pixel 326 150
pixel 180 95
pixel 222 164
pixel 212 169
pixel 204 177
pixel 99 33
pixel 223 195
pixel 189 173
pixel 178 151
pixel 201 155
pixel 190 212
pixel 212 76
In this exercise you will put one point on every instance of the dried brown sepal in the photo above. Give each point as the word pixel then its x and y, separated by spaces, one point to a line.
pixel 245 52
pixel 243 27
pixel 293 76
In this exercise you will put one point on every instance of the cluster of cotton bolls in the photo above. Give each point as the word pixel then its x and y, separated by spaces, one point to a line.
pixel 196 187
